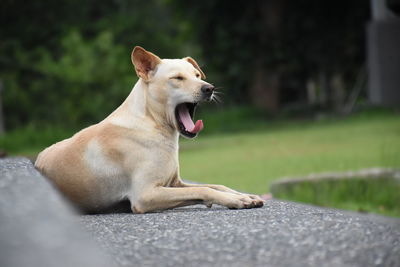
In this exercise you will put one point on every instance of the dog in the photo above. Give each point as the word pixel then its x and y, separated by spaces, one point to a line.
pixel 133 153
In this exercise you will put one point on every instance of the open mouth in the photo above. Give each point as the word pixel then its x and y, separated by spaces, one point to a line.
pixel 184 116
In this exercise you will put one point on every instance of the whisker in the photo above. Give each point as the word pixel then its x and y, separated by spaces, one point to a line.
pixel 216 99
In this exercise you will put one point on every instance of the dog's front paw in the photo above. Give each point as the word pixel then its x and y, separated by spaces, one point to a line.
pixel 259 202
pixel 244 201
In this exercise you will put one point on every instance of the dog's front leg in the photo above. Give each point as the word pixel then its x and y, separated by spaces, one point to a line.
pixel 160 198
pixel 222 188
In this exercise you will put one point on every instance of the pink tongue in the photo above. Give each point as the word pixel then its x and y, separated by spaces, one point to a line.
pixel 187 121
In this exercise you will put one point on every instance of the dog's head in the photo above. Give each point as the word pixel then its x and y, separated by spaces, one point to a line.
pixel 174 89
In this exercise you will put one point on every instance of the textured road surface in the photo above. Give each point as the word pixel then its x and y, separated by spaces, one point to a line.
pixel 279 234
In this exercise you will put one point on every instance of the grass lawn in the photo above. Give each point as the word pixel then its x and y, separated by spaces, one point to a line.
pixel 250 161
pixel 378 195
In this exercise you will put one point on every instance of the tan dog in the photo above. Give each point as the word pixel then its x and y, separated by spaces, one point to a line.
pixel 133 153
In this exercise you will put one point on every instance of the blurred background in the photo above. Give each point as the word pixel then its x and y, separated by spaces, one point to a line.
pixel 307 86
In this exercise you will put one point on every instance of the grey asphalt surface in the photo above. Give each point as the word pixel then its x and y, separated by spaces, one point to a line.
pixel 279 234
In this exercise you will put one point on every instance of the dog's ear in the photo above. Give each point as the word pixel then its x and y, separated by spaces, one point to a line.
pixel 196 66
pixel 144 62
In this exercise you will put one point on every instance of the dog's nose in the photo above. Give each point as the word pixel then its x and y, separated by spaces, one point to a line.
pixel 207 89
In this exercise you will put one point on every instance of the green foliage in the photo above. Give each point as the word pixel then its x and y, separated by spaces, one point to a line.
pixel 67 62
pixel 84 61
pixel 70 66
pixel 94 76
pixel 84 83
pixel 379 195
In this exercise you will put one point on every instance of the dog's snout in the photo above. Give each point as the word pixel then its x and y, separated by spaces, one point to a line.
pixel 207 89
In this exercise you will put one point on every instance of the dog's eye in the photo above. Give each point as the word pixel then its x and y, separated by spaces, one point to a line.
pixel 180 78
pixel 197 75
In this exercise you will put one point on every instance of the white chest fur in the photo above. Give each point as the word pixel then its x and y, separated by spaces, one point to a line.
pixel 111 181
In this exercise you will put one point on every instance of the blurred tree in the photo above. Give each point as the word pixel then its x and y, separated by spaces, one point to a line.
pixel 266 51
pixel 68 62
pixel 55 55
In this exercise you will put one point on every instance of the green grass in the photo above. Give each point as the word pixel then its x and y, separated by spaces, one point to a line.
pixel 378 195
pixel 250 161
